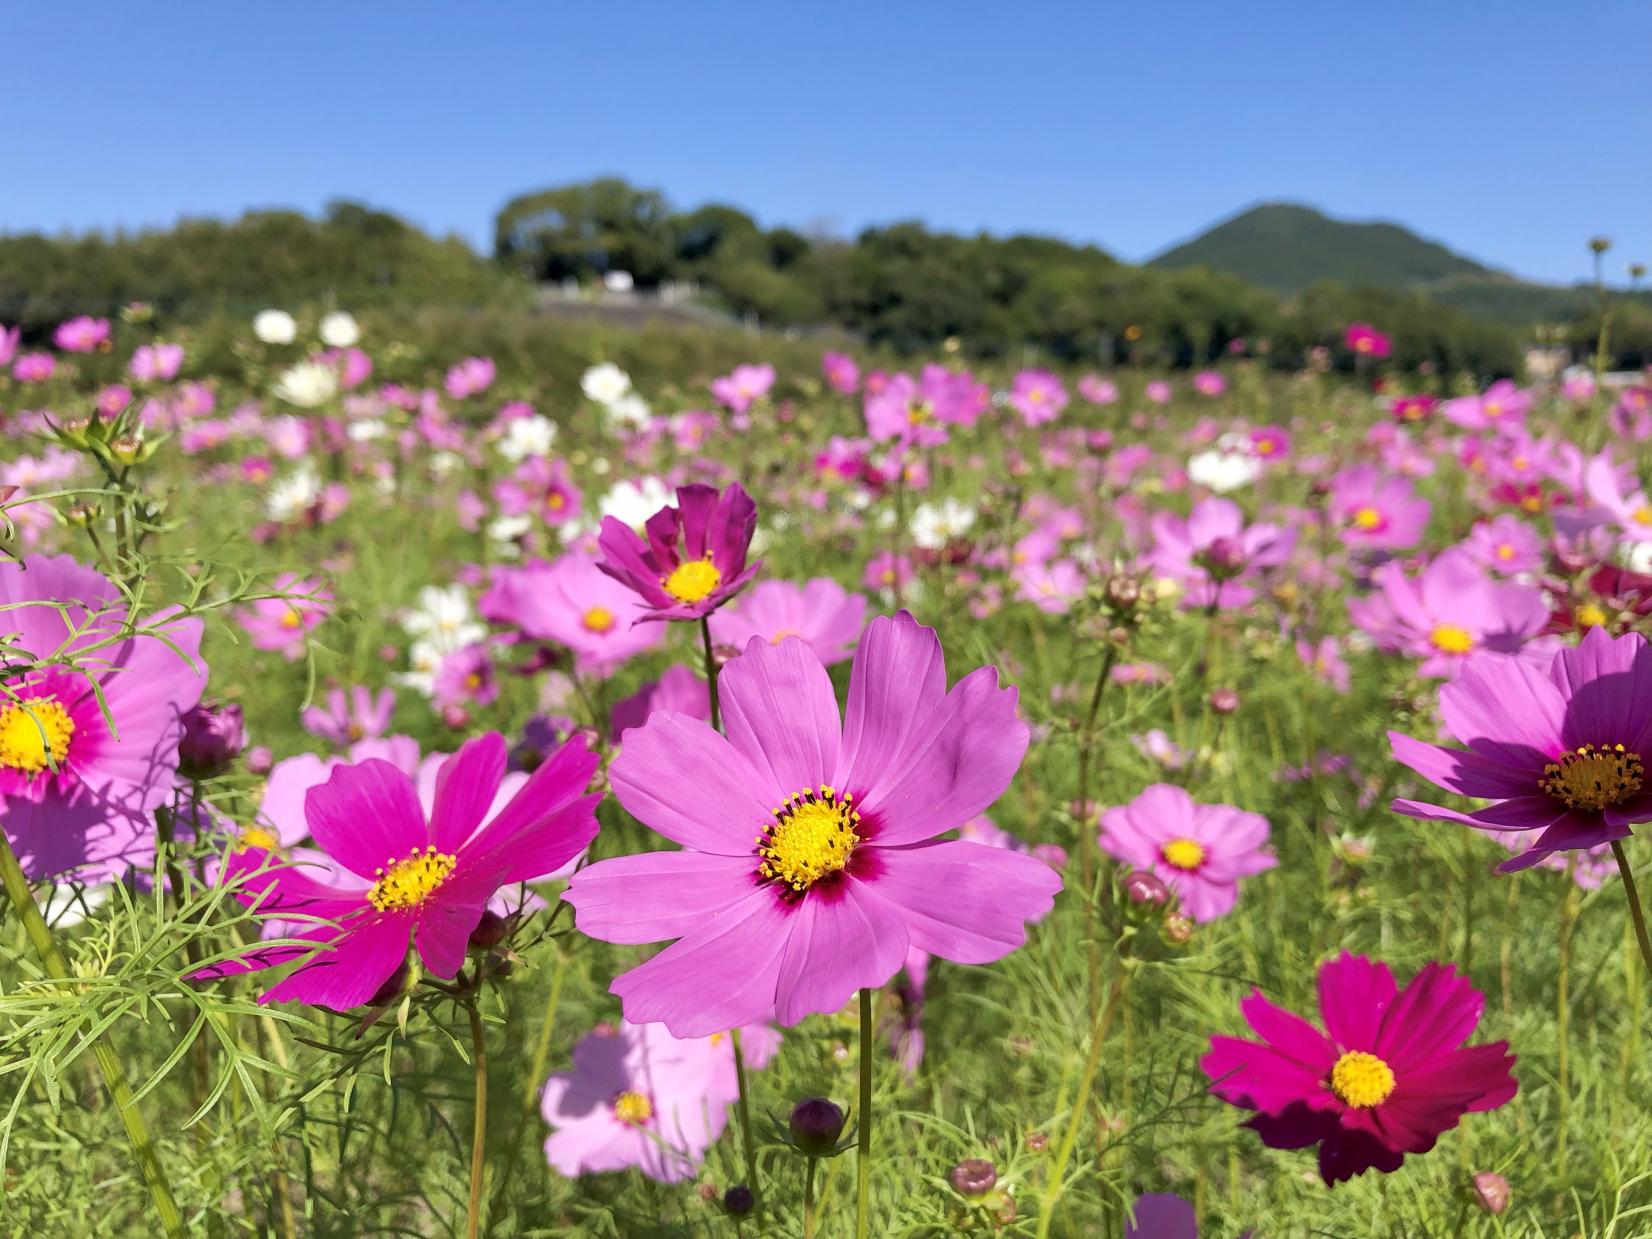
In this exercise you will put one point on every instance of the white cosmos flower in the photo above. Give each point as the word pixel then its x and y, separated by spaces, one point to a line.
pixel 1223 471
pixel 366 429
pixel 605 383
pixel 424 660
pixel 443 618
pixel 507 529
pixel 70 904
pixel 633 502
pixel 527 436
pixel 629 412
pixel 293 495
pixel 338 330
pixel 309 384
pixel 936 524
pixel 444 463
pixel 275 327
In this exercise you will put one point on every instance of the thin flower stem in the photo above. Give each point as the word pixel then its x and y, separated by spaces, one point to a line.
pixel 1081 1104
pixel 711 674
pixel 1088 843
pixel 743 1104
pixel 809 1200
pixel 479 1126
pixel 533 1082
pixel 1636 913
pixel 114 1076
pixel 863 1158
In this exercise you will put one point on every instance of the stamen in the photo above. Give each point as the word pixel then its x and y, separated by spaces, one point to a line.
pixel 1593 778
pixel 35 734
pixel 408 883
pixel 1362 1080
pixel 813 835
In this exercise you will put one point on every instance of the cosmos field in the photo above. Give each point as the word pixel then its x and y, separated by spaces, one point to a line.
pixel 827 794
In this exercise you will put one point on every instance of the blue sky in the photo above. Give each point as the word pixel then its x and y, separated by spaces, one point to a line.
pixel 1511 131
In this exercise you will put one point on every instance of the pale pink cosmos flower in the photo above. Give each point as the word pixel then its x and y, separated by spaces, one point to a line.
pixel 1200 851
pixel 156 362
pixel 820 612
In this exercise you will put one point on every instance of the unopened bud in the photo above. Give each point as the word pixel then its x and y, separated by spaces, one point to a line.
pixel 815 1126
pixel 214 736
pixel 1037 1142
pixel 456 717
pixel 490 931
pixel 738 1200
pixel 260 759
pixel 1124 592
pixel 1224 701
pixel 1178 930
pixel 1224 557
pixel 1491 1192
pixel 1144 887
pixel 974 1177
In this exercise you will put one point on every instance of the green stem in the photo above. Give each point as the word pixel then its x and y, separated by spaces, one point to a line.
pixel 533 1083
pixel 1636 913
pixel 863 1159
pixel 1081 1104
pixel 711 677
pixel 1088 843
pixel 479 1125
pixel 809 1200
pixel 114 1077
pixel 743 1105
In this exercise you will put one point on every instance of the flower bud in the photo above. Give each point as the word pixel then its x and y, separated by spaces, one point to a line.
pixel 1224 557
pixel 1178 930
pixel 738 1200
pixel 1037 1142
pixel 260 759
pixel 214 736
pixel 126 449
pixel 490 931
pixel 1144 887
pixel 974 1177
pixel 815 1126
pixel 456 717
pixel 391 989
pixel 1224 701
pixel 1491 1192
pixel 1123 592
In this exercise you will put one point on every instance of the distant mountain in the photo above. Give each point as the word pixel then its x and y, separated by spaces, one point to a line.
pixel 1287 247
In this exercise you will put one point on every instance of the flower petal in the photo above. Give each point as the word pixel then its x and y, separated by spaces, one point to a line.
pixel 657 895
pixel 780 711
pixel 366 816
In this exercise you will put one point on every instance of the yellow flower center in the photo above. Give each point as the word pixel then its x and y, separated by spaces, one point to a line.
pixel 598 619
pixel 1493 409
pixel 1367 518
pixel 1184 854
pixel 813 836
pixel 918 413
pixel 555 501
pixel 258 837
pixel 781 636
pixel 1642 515
pixel 473 681
pixel 1362 1080
pixel 1035 396
pixel 35 734
pixel 291 619
pixel 1450 639
pixel 409 882
pixel 1505 552
pixel 693 580
pixel 1264 447
pixel 633 1109
pixel 1590 615
pixel 1593 778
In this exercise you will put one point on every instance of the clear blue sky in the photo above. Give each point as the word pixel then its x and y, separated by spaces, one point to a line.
pixel 1511 131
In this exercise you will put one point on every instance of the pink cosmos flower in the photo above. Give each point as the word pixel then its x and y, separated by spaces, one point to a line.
pixel 1375 511
pixel 284 624
pixel 574 603
pixel 742 387
pixel 1366 341
pixel 639 1097
pixel 903 411
pixel 1051 585
pixel 1408 409
pixel 842 374
pixel 694 557
pixel 1448 612
pixel 1562 753
pixel 1158 391
pixel 1213 553
pixel 1501 404
pixel 78 789
pixel 1209 383
pixel 542 488
pixel 1200 851
pixel 1505 545
pixel 364 716
pixel 820 612
pixel 34 367
pixel 1098 390
pixel 886 570
pixel 1387 1075
pixel 112 399
pixel 466 678
pixel 1270 443
pixel 678 690
pixel 156 362
pixel 809 861
pixel 10 338
pixel 81 335
pixel 470 377
pixel 1325 660
pixel 1038 396
pixel 409 879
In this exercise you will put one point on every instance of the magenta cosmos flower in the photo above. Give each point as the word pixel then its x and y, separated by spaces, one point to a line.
pixel 810 861
pixel 742 387
pixel 1388 1073
pixel 820 612
pixel 1377 511
pixel 842 374
pixel 156 362
pixel 637 1096
pixel 470 377
pixel 1214 554
pixel 80 780
pixel 1563 753
pixel 418 881
pixel 1447 613
pixel 572 602
pixel 81 335
pixel 1200 851
pixel 1038 396
pixel 1366 341
pixel 693 558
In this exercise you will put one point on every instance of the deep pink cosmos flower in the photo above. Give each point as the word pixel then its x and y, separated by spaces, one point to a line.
pixel 809 861
pixel 284 624
pixel 678 690
pixel 1377 511
pixel 637 1096
pixel 1200 851
pixel 1412 408
pixel 81 335
pixel 541 488
pixel 1270 443
pixel 842 374
pixel 363 716
pixel 821 612
pixel 1366 341
pixel 1563 753
pixel 411 880
pixel 78 788
pixel 693 559
pixel 742 387
pixel 1448 612
pixel 1038 396
pixel 572 602
pixel 887 570
pixel 156 362
pixel 1387 1075
pixel 1505 545
pixel 470 377
pixel 34 367
pixel 1214 554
